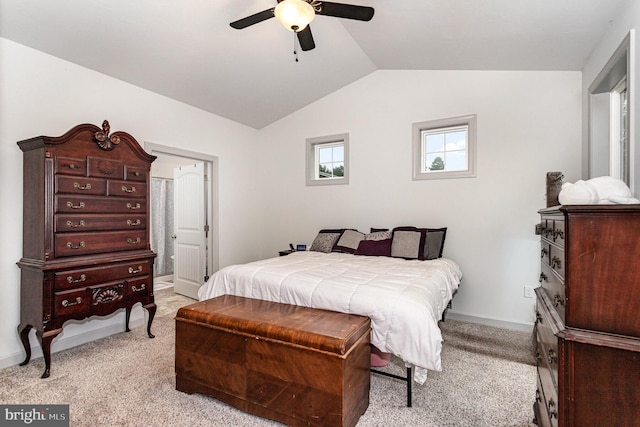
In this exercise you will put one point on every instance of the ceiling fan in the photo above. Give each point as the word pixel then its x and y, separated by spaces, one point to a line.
pixel 296 15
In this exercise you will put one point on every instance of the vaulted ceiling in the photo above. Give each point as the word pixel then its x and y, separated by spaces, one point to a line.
pixel 187 51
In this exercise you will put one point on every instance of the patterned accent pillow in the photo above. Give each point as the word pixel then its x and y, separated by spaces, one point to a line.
pixel 325 240
pixel 349 241
pixel 378 235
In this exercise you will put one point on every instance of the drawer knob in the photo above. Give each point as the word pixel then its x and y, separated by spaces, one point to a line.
pixel 133 242
pixel 556 262
pixel 133 207
pixel 544 252
pixel 140 289
pixel 538 317
pixel 128 190
pixel 66 303
pixel 552 409
pixel 135 270
pixel 133 223
pixel 77 186
pixel 558 300
pixel 80 224
pixel 82 278
pixel 543 278
pixel 552 357
pixel 78 206
pixel 71 246
pixel 538 398
pixel 558 233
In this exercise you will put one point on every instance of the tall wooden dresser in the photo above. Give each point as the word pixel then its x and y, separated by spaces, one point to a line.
pixel 86 231
pixel 588 317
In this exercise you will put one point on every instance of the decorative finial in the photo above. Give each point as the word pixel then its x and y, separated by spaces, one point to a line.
pixel 105 141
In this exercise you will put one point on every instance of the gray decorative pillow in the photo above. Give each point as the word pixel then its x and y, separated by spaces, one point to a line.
pixel 406 244
pixel 434 243
pixel 325 240
pixel 349 241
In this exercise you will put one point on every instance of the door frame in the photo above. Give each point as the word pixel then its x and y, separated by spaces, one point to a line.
pixel 213 257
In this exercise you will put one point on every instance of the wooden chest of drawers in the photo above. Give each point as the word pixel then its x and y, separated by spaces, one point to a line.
pixel 85 232
pixel 587 327
pixel 296 365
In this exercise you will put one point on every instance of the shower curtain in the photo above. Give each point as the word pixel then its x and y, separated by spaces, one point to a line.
pixel 162 225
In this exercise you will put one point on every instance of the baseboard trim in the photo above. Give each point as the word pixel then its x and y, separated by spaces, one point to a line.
pixel 65 342
pixel 524 327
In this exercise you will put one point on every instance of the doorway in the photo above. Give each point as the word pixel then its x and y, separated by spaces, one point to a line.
pixel 170 271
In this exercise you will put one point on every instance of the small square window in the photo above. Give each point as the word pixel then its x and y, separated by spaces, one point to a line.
pixel 328 160
pixel 444 148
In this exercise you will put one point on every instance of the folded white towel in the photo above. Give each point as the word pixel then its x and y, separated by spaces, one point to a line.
pixel 603 190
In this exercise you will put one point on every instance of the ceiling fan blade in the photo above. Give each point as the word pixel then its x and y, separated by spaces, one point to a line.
pixel 253 19
pixel 348 11
pixel 306 39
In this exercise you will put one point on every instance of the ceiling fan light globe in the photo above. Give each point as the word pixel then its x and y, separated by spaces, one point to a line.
pixel 294 15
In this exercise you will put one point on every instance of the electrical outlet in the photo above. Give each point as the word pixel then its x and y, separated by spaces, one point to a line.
pixel 529 292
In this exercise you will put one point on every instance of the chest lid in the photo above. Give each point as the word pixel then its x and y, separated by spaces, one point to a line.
pixel 309 327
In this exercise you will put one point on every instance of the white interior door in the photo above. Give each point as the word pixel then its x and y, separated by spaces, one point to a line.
pixel 190 233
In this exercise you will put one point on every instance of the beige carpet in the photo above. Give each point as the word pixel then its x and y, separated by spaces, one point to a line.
pixel 127 379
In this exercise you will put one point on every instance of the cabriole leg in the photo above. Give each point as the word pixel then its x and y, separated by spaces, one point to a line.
pixel 151 308
pixel 24 330
pixel 45 342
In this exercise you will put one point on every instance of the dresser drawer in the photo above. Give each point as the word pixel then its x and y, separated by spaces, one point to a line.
pixel 542 413
pixel 557 260
pixel 96 204
pixel 80 185
pixel 555 289
pixel 73 244
pixel 545 252
pixel 127 189
pixel 82 277
pixel 70 166
pixel 71 303
pixel 105 168
pixel 72 223
pixel 139 288
pixel 548 401
pixel 547 345
pixel 133 173
pixel 557 235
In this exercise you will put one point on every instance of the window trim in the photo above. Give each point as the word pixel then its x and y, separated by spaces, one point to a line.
pixel 470 122
pixel 312 161
pixel 603 150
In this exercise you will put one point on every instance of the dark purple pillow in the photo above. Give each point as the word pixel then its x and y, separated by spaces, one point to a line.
pixel 374 248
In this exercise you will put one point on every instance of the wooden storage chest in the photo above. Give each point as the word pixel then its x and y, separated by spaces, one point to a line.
pixel 296 365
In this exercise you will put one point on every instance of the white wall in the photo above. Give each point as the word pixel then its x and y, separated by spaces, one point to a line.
pixel 629 19
pixel 528 124
pixel 43 95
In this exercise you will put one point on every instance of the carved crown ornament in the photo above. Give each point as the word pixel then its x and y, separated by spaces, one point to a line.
pixel 103 139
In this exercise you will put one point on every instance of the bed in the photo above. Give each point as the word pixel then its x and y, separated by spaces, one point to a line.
pixel 404 298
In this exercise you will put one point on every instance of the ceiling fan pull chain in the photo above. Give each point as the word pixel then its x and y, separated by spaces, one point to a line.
pixel 295 46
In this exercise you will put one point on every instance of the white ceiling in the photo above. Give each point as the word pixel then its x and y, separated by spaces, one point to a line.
pixel 186 49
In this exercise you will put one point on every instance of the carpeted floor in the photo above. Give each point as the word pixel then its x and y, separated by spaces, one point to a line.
pixel 488 379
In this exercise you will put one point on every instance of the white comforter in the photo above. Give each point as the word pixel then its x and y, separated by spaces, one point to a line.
pixel 404 299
